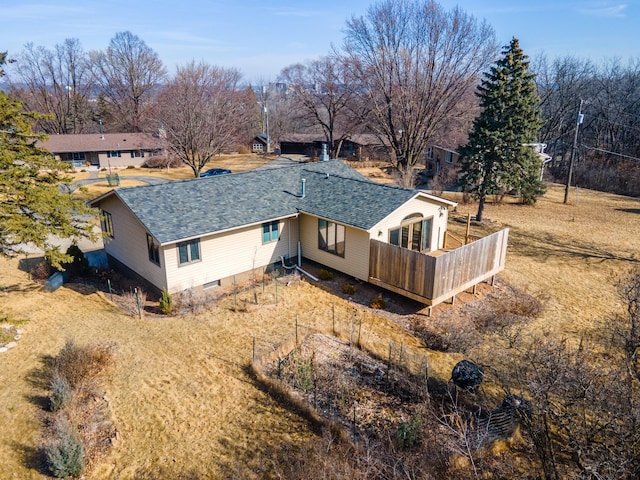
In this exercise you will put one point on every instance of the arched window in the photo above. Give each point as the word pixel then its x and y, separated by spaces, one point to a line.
pixel 413 233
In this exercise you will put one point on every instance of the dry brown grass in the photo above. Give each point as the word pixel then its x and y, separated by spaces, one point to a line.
pixel 181 397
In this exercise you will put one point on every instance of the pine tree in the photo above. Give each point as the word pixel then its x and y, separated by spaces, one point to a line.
pixel 498 156
pixel 33 204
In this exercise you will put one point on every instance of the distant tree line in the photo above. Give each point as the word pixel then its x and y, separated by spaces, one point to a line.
pixel 406 72
pixel 608 146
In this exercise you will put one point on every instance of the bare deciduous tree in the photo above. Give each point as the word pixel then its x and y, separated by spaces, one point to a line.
pixel 322 90
pixel 127 73
pixel 413 61
pixel 57 83
pixel 202 112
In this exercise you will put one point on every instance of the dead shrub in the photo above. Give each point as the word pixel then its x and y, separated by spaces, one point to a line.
pixel 41 271
pixel 191 301
pixel 378 303
pixel 325 275
pixel 163 162
pixel 348 289
pixel 133 302
pixel 76 364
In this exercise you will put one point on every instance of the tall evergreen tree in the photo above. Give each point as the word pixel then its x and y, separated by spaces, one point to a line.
pixel 499 156
pixel 33 206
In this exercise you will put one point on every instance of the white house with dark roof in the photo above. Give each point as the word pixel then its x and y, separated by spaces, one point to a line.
pixel 203 232
pixel 95 150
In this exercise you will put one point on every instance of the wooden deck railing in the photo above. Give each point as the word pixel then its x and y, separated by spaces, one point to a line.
pixel 433 279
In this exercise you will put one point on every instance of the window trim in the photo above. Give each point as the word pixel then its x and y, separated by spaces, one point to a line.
pixel 114 154
pixel 106 223
pixel 136 153
pixel 153 249
pixel 334 229
pixel 189 245
pixel 407 241
pixel 268 235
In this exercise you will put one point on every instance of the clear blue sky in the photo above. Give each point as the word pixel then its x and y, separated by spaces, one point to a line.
pixel 261 37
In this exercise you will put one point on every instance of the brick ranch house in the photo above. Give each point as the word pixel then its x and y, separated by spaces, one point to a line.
pixel 201 233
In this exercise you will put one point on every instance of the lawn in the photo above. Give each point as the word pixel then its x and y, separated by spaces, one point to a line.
pixel 181 398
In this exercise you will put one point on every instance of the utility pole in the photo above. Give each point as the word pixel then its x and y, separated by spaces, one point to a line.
pixel 579 119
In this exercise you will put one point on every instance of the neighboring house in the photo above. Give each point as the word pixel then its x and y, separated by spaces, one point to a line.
pixel 360 146
pixel 104 150
pixel 205 232
pixel 437 157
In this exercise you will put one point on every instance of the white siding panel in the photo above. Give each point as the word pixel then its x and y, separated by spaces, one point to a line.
pixel 129 244
pixel 356 256
pixel 231 253
pixel 416 205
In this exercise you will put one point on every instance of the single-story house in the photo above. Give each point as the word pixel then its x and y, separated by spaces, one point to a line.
pixel 108 150
pixel 204 232
pixel 361 146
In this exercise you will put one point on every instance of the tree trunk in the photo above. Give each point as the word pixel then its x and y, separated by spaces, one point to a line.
pixel 480 207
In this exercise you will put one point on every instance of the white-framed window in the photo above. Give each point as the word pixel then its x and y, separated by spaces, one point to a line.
pixel 77 156
pixel 270 232
pixel 429 153
pixel 448 157
pixel 189 252
pixel 257 147
pixel 114 154
pixel 153 248
pixel 413 233
pixel 331 237
pixel 137 154
pixel 106 222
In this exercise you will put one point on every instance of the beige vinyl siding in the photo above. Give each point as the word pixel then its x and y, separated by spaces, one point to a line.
pixel 231 253
pixel 419 205
pixel 124 160
pixel 356 255
pixel 129 244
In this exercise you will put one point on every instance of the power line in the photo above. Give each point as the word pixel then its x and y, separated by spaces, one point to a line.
pixel 613 153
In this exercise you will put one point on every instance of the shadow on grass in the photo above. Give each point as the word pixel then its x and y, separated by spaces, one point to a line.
pixel 629 210
pixel 549 246
pixel 31 457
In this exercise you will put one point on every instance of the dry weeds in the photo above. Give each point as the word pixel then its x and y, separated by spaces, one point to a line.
pixel 183 402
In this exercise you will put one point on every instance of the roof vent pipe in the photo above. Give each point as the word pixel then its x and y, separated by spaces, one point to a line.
pixel 304 188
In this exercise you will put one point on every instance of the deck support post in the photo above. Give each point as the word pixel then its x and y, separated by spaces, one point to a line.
pixel 493 280
pixel 453 300
pixel 475 288
pixel 429 310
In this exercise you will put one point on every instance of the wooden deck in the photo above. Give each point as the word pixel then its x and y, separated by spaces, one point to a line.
pixel 432 279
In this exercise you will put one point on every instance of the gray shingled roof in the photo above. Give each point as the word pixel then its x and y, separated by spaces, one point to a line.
pixel 192 208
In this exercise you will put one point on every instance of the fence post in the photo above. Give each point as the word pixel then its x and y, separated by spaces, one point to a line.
pixel 333 318
pixel 235 294
pixel 360 331
pixel 138 302
pixel 110 291
pixel 401 349
pixel 253 352
pixel 355 404
pixel 296 331
pixel 276 279
pixel 389 361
